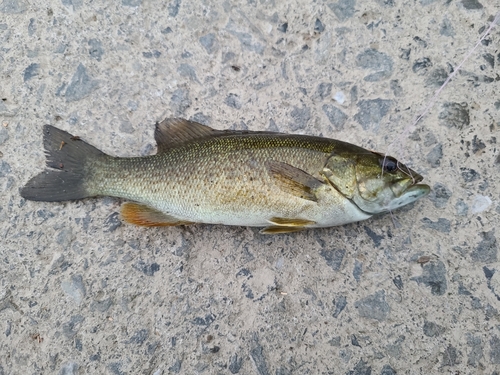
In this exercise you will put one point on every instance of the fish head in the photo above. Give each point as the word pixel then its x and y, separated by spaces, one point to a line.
pixel 376 183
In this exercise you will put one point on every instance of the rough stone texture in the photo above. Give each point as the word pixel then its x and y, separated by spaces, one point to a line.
pixel 416 293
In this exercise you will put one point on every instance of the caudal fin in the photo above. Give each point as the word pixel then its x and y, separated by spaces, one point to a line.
pixel 66 173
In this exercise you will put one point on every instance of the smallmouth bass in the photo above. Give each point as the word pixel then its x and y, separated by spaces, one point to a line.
pixel 282 182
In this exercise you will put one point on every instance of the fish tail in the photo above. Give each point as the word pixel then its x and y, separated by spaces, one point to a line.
pixel 67 173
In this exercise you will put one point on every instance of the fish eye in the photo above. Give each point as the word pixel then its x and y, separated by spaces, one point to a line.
pixel 389 165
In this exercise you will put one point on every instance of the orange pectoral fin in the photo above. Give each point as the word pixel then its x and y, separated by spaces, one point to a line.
pixel 139 214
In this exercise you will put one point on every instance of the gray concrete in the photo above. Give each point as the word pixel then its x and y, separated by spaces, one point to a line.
pixel 82 293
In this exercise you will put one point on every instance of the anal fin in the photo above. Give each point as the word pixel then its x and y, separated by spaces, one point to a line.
pixel 139 214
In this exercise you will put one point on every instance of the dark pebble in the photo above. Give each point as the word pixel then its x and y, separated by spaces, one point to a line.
pixel 454 115
pixel 176 367
pixel 173 8
pixel 139 337
pixel 257 355
pixel 376 238
pixel 340 303
pixel 131 3
pixel 147 269
pixel 469 174
pixel 495 350
pixel 31 71
pixel 476 352
pixel 81 85
pixel 373 306
pixel 434 276
pixel 70 368
pixel 318 26
pixel 324 90
pixel 388 370
pixel 283 27
pixel 451 356
pixel 421 66
pixel 209 42
pixel 112 222
pixel 357 270
pixel 435 155
pixel 398 282
pixel 333 258
pixel 180 101
pixel 446 28
pixel 235 364
pixel 354 341
pixel 301 117
pixel 206 321
pixel 201 118
pixel 437 77
pixel 441 225
pixel 336 116
pixel 4 168
pixel 440 195
pixel 4 135
pixel 361 368
pixel 96 51
pixel 371 112
pixel 233 100
pixel 486 251
pixel 432 329
pixel 472 4
pixel 379 62
pixel 186 70
pixel 396 88
pixel 343 9
pixel 102 306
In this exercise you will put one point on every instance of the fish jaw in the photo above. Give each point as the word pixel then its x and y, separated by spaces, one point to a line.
pixel 410 195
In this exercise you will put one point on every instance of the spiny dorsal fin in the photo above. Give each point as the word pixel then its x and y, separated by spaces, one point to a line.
pixel 139 214
pixel 294 180
pixel 174 131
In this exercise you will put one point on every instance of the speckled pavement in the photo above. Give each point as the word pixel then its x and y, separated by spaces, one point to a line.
pixel 419 293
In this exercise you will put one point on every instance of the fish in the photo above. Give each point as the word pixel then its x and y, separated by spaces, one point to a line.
pixel 281 182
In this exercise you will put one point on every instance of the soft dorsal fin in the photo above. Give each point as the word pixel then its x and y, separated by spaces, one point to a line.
pixel 174 131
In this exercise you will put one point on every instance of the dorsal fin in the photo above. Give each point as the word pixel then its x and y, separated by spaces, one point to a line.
pixel 174 131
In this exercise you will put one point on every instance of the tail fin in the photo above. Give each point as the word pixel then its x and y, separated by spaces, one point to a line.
pixel 65 177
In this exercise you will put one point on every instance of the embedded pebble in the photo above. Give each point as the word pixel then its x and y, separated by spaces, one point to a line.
pixel 74 288
pixel 374 306
pixel 434 277
pixel 481 203
pixel 81 85
pixel 371 112
pixel 336 116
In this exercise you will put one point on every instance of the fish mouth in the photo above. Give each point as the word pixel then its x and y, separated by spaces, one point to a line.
pixel 410 195
pixel 402 187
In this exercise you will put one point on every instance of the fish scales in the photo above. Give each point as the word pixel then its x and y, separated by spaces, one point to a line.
pixel 220 174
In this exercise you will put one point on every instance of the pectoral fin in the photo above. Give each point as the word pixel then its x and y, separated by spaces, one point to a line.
pixel 284 222
pixel 140 214
pixel 285 225
pixel 294 181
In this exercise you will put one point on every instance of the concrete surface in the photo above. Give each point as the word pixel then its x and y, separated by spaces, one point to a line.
pixel 82 293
